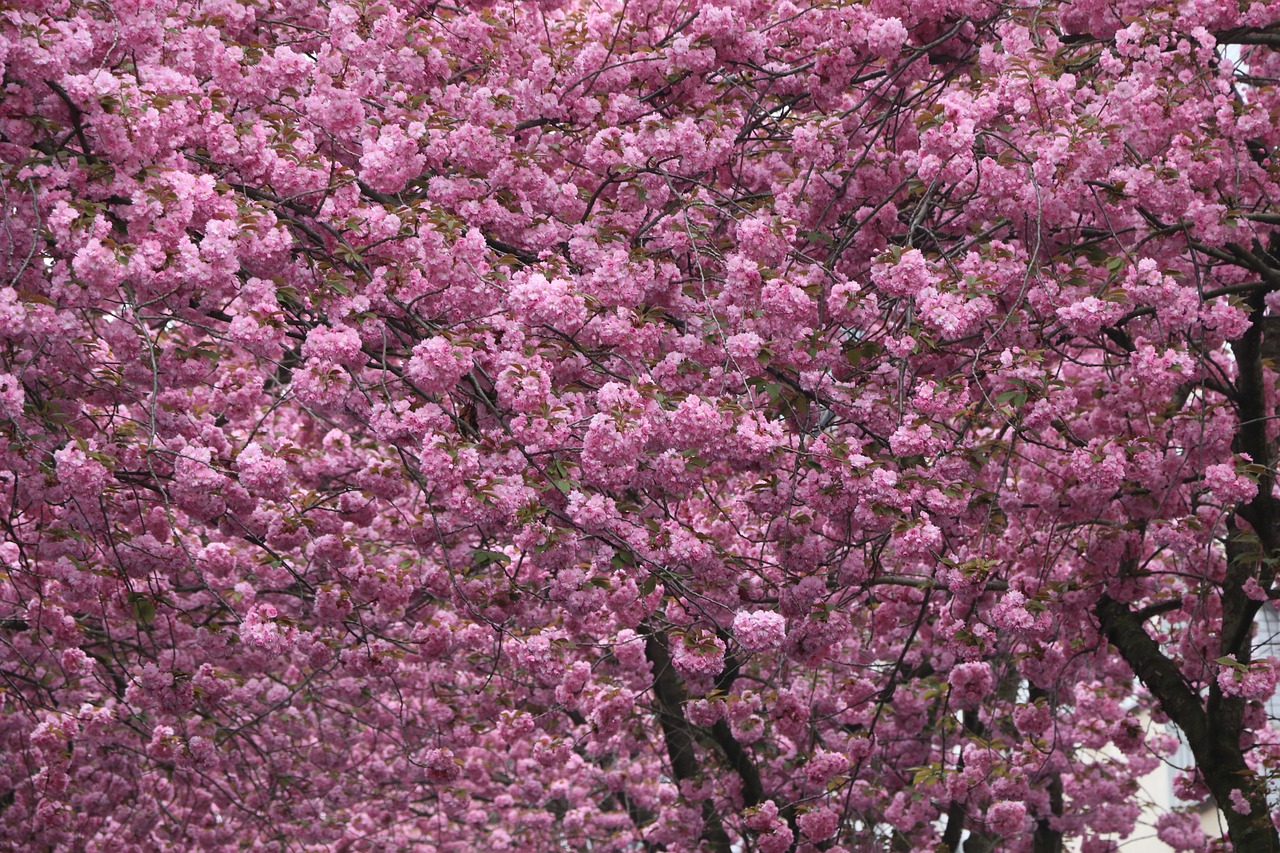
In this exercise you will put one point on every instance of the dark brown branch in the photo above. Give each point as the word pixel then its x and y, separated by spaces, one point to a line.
pixel 678 734
pixel 1123 629
pixel 957 812
pixel 1215 743
pixel 1157 609
pixel 77 117
pixel 1248 35
pixel 1047 839
pixel 740 761
pixel 524 256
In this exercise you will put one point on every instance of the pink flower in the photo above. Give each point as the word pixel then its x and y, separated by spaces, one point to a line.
pixel 200 753
pixel 743 346
pixel 1180 831
pixel 825 766
pixel 1010 612
pixel 164 744
pixel 98 268
pixel 340 345
pixel 698 654
pixel 1256 681
pixel 970 683
pixel 391 161
pixel 592 512
pixel 611 453
pixel 75 661
pixel 765 818
pixel 1086 317
pixel 1032 720
pixel 702 712
pixel 628 649
pixel 553 302
pixel 1007 818
pixel 1160 373
pixel 261 630
pixel 1228 486
pixel 778 841
pixel 440 765
pixel 437 365
pixel 886 37
pixel 922 540
pixel 12 396
pixel 819 824
pixel 912 441
pixel 758 630
pixel 263 475
pixel 909 275
pixel 1254 590
pixel 82 474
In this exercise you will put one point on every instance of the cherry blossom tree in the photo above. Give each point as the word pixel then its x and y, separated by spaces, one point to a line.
pixel 636 425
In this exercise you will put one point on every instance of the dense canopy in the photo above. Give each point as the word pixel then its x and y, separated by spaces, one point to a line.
pixel 636 425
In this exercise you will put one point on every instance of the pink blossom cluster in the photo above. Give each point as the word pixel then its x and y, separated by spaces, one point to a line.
pixel 568 425
pixel 262 630
pixel 1256 680
pixel 759 630
pixel 698 656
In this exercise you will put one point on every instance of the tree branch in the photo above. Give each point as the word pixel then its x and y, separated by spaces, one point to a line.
pixel 678 733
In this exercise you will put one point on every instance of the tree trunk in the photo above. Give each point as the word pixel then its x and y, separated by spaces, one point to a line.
pixel 1214 735
pixel 679 735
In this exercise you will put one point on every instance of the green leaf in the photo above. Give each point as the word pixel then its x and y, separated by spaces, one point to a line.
pixel 482 557
pixel 144 610
pixel 856 352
